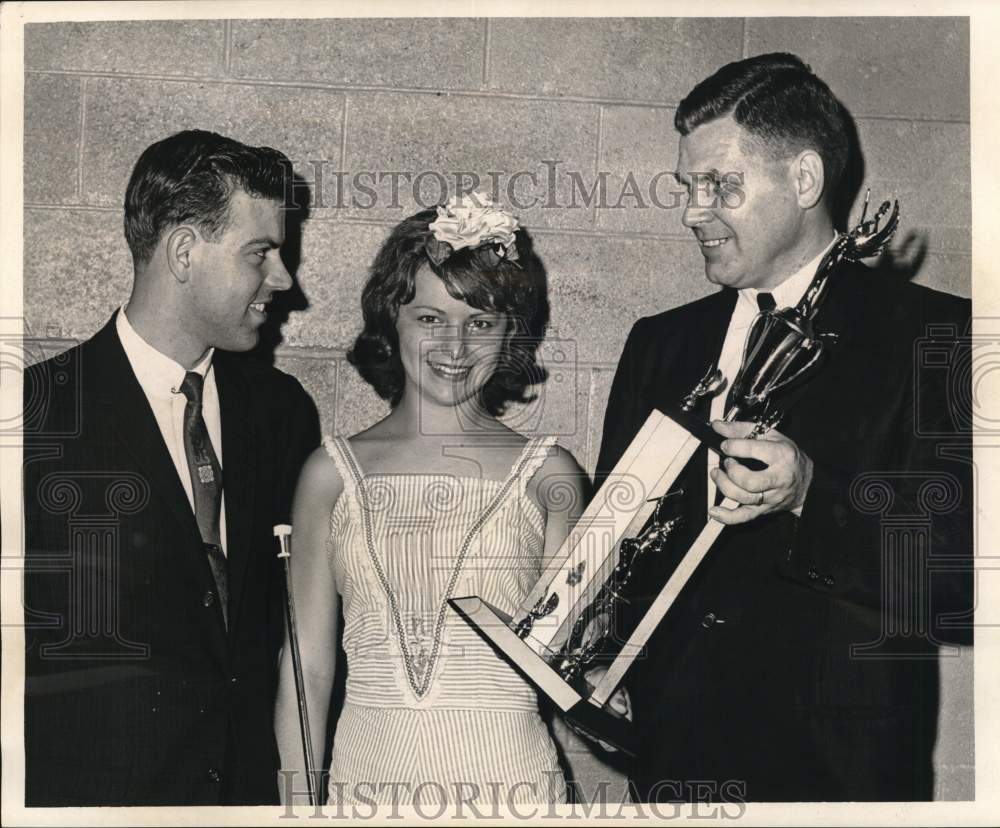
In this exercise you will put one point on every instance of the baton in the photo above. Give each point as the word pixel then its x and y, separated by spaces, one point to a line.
pixel 283 533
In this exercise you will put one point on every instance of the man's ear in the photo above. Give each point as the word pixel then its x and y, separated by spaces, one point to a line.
pixel 178 247
pixel 810 179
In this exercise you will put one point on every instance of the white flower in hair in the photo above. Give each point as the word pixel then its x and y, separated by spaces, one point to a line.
pixel 473 220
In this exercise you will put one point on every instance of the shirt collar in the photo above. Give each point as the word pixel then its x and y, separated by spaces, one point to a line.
pixel 158 374
pixel 792 289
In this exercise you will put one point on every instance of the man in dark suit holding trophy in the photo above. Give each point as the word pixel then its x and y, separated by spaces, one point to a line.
pixel 799 663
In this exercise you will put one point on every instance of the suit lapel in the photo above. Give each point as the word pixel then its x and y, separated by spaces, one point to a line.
pixel 838 316
pixel 696 348
pixel 131 419
pixel 839 312
pixel 238 473
pixel 128 411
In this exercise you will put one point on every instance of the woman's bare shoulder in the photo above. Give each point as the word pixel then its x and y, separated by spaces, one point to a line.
pixel 320 480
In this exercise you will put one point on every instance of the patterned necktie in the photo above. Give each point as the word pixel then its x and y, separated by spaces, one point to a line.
pixel 206 483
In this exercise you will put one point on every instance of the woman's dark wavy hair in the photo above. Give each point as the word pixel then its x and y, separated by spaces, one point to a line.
pixel 516 289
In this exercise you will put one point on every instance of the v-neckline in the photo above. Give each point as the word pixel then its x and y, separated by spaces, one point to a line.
pixel 420 685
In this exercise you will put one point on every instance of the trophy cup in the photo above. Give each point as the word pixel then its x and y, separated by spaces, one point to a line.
pixel 568 618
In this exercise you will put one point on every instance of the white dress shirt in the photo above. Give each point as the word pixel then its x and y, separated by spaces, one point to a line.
pixel 787 294
pixel 161 378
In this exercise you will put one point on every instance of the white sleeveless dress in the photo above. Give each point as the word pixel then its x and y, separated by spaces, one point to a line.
pixel 432 713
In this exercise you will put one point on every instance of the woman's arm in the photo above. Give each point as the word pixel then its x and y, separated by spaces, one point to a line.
pixel 316 613
pixel 561 488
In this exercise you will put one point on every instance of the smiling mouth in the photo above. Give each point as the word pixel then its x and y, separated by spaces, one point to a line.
pixel 449 371
pixel 259 307
pixel 713 242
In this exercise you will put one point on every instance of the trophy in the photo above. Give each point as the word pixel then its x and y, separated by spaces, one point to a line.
pixel 567 623
pixel 782 347
pixel 592 628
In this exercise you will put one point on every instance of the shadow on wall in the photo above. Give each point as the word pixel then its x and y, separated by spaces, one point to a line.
pixel 904 259
pixel 297 210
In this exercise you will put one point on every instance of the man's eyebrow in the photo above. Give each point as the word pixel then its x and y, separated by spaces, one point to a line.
pixel 263 240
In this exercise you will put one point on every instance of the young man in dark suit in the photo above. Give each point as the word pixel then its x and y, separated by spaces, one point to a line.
pixel 799 663
pixel 156 464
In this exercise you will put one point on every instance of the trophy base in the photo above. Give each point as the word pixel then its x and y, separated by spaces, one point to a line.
pixel 707 435
pixel 595 721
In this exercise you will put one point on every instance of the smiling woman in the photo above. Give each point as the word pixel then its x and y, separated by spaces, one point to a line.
pixel 438 499
pixel 513 288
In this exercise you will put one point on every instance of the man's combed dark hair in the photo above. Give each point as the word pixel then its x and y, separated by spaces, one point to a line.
pixel 518 290
pixel 189 178
pixel 781 103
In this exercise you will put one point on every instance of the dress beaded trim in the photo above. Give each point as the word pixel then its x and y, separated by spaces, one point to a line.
pixel 532 456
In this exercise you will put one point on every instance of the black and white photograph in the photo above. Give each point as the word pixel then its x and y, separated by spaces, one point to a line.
pixel 513 412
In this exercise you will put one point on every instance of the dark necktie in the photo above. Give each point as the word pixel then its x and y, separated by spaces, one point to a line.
pixel 765 302
pixel 206 483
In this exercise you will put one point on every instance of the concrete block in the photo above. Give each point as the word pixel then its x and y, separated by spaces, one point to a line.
pixel 600 390
pixel 954 783
pixel 51 138
pixel 439 142
pixel 926 166
pixel 949 272
pixel 957 728
pixel 622 59
pixel 902 66
pixel 435 53
pixel 599 286
pixel 560 404
pixel 318 377
pixel 129 115
pixel 358 406
pixel 77 270
pixel 154 47
pixel 639 153
pixel 333 270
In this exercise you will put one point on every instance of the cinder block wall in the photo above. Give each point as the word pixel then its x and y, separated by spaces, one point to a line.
pixel 502 95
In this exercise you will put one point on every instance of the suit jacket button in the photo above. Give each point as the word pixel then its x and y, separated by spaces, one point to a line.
pixel 708 620
pixel 813 575
pixel 208 599
pixel 214 775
